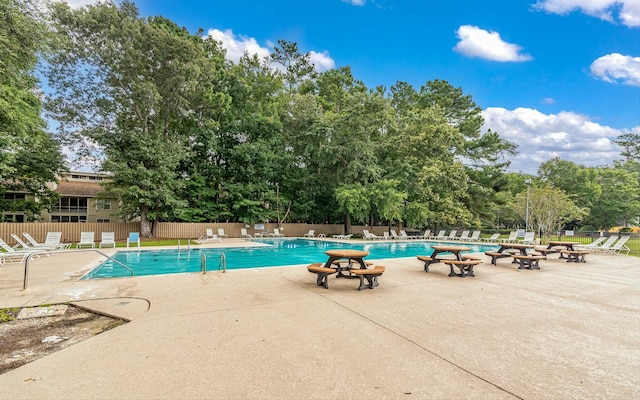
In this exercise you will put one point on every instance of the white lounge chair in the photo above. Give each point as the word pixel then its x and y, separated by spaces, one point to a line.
pixel 221 233
pixel 366 235
pixel 209 237
pixel 452 235
pixel 464 236
pixel 276 233
pixel 20 242
pixel 439 236
pixel 620 246
pixel 529 238
pixel 86 239
pixel 55 239
pixel 11 255
pixel 403 235
pixel 493 238
pixel 425 235
pixel 51 246
pixel 107 239
pixel 394 235
pixel 244 234
pixel 133 239
pixel 606 246
pixel 475 236
pixel 593 245
pixel 513 236
pixel 262 234
pixel 311 233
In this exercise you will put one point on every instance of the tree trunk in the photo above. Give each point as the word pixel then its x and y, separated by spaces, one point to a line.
pixel 347 223
pixel 145 224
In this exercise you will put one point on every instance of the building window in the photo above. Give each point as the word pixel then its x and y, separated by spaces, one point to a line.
pixel 68 218
pixel 72 204
pixel 102 204
pixel 12 218
pixel 104 220
pixel 14 196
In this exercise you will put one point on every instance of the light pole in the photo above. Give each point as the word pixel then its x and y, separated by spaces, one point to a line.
pixel 526 215
pixel 278 202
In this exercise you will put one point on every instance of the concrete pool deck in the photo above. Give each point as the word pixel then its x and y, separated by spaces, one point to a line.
pixel 566 331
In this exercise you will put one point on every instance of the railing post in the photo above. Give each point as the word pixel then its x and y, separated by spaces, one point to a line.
pixel 26 262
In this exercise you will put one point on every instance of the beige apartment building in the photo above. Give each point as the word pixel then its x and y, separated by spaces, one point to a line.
pixel 78 201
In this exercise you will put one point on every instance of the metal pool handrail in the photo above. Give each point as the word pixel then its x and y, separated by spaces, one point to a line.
pixel 223 263
pixel 26 262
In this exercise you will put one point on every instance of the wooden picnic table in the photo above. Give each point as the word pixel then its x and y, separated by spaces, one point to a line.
pixel 521 247
pixel 553 245
pixel 502 253
pixel 354 256
pixel 457 252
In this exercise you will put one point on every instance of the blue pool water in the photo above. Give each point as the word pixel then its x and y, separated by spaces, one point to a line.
pixel 279 252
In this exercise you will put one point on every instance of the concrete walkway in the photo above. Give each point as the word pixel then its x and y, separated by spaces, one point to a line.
pixel 567 331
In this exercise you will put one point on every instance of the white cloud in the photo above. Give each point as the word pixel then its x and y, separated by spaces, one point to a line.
pixel 627 11
pixel 322 61
pixel 548 100
pixel 476 42
pixel 80 3
pixel 540 137
pixel 355 2
pixel 236 46
pixel 617 68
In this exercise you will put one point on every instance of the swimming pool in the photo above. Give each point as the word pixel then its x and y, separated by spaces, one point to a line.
pixel 278 252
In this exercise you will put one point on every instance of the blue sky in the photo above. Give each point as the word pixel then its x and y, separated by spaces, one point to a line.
pixel 557 77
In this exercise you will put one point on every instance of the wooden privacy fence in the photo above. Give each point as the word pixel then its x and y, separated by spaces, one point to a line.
pixel 166 230
pixel 70 231
pixel 193 230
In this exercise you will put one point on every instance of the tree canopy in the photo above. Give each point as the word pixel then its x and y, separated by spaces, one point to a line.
pixel 29 156
pixel 188 135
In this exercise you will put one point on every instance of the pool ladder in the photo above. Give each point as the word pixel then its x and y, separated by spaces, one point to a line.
pixel 222 264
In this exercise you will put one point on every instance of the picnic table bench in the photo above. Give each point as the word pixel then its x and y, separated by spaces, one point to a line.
pixel 556 246
pixel 496 255
pixel 575 255
pixel 465 266
pixel 322 272
pixel 371 275
pixel 529 261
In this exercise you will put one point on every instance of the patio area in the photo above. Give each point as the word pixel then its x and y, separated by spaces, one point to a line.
pixel 566 331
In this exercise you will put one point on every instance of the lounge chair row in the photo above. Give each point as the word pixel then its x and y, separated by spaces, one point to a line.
pixel 108 239
pixel 465 236
pixel 612 244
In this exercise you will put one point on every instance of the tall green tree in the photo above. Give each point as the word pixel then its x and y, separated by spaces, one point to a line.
pixel 296 67
pixel 618 200
pixel 421 153
pixel 548 208
pixel 484 156
pixel 123 83
pixel 251 151
pixel 630 146
pixel 203 166
pixel 29 156
pixel 351 130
